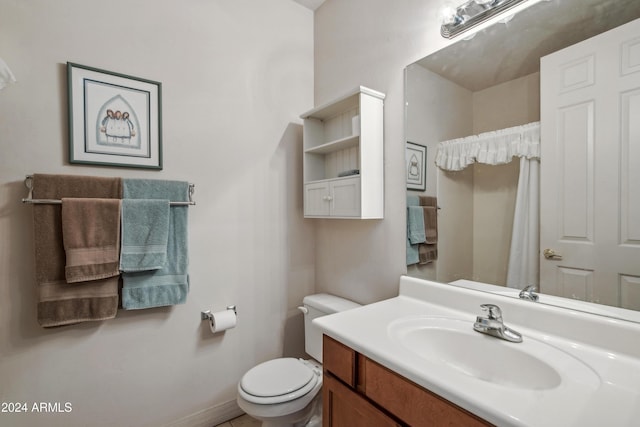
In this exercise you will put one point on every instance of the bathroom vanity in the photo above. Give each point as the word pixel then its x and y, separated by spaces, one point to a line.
pixel 416 360
pixel 360 392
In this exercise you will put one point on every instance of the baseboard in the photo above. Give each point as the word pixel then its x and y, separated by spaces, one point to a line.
pixel 210 417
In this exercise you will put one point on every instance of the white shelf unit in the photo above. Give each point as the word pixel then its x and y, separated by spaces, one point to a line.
pixel 344 135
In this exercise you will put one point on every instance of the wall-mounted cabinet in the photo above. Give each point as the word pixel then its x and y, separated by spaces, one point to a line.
pixel 344 157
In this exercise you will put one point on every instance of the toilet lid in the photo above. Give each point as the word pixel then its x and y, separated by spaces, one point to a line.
pixel 278 377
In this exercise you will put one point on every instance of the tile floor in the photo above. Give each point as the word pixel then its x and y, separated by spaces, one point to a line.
pixel 242 421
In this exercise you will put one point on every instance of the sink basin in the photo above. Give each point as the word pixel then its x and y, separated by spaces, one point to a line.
pixel 452 344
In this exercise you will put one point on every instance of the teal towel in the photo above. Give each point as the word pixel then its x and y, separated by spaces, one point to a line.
pixel 412 249
pixel 170 284
pixel 145 232
pixel 413 200
pixel 413 255
pixel 415 224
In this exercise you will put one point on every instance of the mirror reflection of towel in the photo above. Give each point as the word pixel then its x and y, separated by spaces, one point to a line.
pixel 430 224
pixel 428 251
pixel 416 224
pixel 429 201
pixel 415 229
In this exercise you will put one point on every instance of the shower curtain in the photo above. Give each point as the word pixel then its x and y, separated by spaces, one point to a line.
pixel 523 268
pixel 499 147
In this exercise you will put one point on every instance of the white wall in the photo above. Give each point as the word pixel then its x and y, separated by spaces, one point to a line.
pixel 508 104
pixel 370 42
pixel 236 74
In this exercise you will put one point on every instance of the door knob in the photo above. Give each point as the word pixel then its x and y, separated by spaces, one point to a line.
pixel 551 254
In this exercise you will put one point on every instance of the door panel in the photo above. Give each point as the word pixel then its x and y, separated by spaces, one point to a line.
pixel 345 197
pixel 316 201
pixel 575 159
pixel 630 172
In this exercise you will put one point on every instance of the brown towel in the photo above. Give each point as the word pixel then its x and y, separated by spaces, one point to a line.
pixel 428 251
pixel 430 224
pixel 429 201
pixel 60 303
pixel 91 236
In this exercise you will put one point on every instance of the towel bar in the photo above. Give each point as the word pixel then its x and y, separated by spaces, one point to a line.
pixel 28 182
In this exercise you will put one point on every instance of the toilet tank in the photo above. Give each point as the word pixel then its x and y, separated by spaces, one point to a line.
pixel 320 305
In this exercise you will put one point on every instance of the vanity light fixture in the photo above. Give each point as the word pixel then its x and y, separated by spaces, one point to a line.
pixel 456 21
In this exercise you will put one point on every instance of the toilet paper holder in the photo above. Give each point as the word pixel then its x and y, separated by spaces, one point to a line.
pixel 208 315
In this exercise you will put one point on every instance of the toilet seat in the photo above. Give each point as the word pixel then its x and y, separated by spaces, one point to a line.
pixel 278 381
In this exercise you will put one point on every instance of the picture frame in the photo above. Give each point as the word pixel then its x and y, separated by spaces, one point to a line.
pixel 114 119
pixel 416 166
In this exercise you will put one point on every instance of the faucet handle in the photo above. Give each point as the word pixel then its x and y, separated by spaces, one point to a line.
pixel 494 311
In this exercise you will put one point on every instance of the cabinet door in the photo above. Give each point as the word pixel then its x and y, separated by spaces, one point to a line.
pixel 340 360
pixel 316 199
pixel 342 407
pixel 411 403
pixel 345 197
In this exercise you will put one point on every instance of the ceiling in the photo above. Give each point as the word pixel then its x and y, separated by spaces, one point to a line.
pixel 503 52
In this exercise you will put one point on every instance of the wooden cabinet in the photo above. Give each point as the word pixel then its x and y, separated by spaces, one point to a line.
pixel 343 157
pixel 360 392
pixel 344 408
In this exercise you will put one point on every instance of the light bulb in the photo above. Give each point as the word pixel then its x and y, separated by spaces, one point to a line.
pixel 447 13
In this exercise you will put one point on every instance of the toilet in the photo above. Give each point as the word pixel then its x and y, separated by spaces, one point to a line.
pixel 285 392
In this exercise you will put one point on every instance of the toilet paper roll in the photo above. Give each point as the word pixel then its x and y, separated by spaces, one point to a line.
pixel 222 320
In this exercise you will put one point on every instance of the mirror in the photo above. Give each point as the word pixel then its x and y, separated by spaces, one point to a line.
pixel 490 82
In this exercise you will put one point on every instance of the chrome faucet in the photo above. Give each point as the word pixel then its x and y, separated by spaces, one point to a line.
pixel 493 325
pixel 528 293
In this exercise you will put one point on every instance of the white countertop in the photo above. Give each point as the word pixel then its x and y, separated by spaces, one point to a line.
pixel 614 400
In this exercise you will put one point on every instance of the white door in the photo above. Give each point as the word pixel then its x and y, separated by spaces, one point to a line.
pixel 590 169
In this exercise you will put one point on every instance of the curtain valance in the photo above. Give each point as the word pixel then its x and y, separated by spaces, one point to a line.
pixel 493 148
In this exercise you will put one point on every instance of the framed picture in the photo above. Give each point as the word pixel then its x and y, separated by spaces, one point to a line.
pixel 416 166
pixel 114 119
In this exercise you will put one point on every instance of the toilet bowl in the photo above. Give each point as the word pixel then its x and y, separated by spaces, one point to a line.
pixel 285 392
pixel 282 392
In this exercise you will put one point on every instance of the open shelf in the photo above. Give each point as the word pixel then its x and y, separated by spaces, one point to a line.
pixel 339 144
